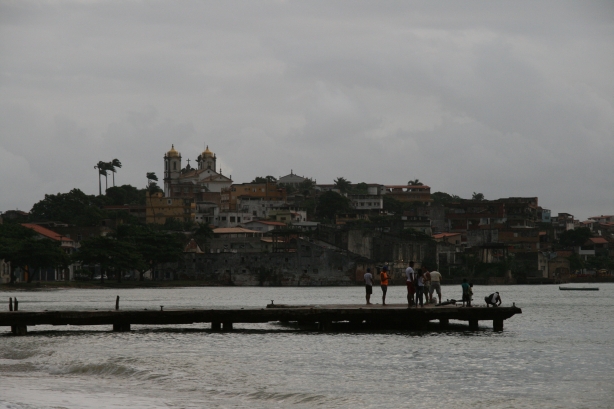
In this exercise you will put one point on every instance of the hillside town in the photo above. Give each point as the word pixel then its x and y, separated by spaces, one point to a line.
pixel 293 231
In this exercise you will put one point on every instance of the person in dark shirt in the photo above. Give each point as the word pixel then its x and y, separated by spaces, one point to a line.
pixel 466 296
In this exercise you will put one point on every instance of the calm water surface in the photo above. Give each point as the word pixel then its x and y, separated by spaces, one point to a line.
pixel 558 354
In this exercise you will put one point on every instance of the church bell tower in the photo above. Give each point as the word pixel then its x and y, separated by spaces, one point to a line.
pixel 172 169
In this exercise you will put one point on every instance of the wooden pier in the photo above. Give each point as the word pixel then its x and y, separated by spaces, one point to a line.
pixel 396 316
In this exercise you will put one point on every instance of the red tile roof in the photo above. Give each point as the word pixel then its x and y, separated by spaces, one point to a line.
pixel 233 230
pixel 598 240
pixel 270 223
pixel 442 235
pixel 46 232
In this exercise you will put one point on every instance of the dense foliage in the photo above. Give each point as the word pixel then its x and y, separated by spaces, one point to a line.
pixel 20 246
pixel 576 237
pixel 330 204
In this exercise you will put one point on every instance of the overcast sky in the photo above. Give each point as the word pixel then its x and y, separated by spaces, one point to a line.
pixel 505 98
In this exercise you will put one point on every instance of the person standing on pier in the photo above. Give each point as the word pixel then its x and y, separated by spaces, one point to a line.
pixel 384 283
pixel 411 278
pixel 465 287
pixel 420 288
pixel 368 285
pixel 436 284
pixel 427 284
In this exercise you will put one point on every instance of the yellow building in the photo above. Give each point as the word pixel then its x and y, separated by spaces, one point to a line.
pixel 264 191
pixel 160 208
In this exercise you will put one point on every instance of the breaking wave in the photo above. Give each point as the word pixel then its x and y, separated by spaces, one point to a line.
pixel 105 370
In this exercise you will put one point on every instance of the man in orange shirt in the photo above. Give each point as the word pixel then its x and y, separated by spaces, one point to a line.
pixel 384 283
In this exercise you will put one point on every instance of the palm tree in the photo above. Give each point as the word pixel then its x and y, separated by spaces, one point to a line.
pixel 152 187
pixel 115 163
pixel 415 182
pixel 342 184
pixel 107 167
pixel 102 171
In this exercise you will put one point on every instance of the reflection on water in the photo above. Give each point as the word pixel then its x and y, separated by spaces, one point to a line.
pixel 558 353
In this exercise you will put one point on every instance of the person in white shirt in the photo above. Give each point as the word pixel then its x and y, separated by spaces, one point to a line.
pixel 494 299
pixel 411 288
pixel 436 284
pixel 368 285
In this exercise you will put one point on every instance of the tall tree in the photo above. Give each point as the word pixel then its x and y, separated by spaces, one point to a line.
pixel 330 204
pixel 112 255
pixel 34 253
pixel 343 184
pixel 108 167
pixel 415 182
pixel 125 194
pixel 477 196
pixel 74 207
pixel 305 186
pixel 576 237
pixel 115 163
pixel 101 166
pixel 11 237
pixel 202 234
pixel 155 247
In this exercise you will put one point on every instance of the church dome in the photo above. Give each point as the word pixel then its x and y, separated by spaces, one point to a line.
pixel 172 153
pixel 207 153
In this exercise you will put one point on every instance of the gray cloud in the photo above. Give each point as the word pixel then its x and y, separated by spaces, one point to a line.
pixel 509 99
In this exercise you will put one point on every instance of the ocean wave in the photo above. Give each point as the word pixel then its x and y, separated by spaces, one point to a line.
pixel 12 368
pixel 18 354
pixel 106 370
pixel 289 398
pixel 100 369
pixel 13 405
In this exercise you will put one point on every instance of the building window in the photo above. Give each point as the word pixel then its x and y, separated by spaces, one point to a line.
pixel 232 219
pixel 174 165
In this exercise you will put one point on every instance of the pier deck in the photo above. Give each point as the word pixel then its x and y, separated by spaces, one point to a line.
pixel 371 316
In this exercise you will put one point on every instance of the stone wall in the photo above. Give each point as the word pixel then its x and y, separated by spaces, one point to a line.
pixel 309 265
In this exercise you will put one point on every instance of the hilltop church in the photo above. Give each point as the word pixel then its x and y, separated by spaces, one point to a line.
pixel 193 182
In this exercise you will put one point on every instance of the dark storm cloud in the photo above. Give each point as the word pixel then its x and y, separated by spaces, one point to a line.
pixel 510 99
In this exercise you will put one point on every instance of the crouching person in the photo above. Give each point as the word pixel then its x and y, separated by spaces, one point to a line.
pixel 494 299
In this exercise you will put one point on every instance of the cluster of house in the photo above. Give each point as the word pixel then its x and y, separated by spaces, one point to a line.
pixel 495 229
pixel 205 195
pixel 253 218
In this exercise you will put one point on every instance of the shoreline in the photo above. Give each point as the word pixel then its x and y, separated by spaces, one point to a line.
pixel 63 285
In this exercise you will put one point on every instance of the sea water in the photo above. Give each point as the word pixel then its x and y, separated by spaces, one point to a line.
pixel 559 353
